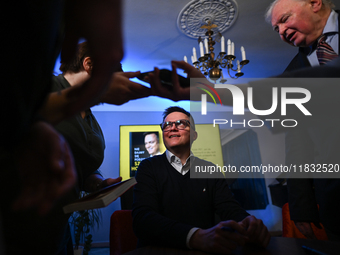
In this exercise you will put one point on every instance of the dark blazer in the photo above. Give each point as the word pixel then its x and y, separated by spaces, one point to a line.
pixel 313 145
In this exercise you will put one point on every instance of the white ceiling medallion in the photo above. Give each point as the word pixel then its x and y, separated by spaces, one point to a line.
pixel 197 13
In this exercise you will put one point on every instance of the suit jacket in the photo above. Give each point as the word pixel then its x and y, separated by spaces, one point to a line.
pixel 313 145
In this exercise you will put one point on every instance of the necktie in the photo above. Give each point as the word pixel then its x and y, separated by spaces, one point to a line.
pixel 324 51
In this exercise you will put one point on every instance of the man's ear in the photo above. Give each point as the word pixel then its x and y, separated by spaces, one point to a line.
pixel 194 136
pixel 87 65
pixel 316 5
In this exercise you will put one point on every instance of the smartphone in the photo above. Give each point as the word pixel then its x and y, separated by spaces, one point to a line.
pixel 165 77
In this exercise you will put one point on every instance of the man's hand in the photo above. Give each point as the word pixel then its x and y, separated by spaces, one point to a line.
pixel 256 231
pixel 217 240
pixel 96 182
pixel 46 168
pixel 177 93
pixel 306 229
pixel 122 90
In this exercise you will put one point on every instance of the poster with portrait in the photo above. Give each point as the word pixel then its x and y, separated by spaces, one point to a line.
pixel 138 151
pixel 138 142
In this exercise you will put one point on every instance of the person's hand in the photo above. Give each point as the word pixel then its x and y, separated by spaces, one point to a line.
pixel 191 71
pixel 109 181
pixel 46 168
pixel 177 92
pixel 99 22
pixel 122 90
pixel 96 182
pixel 256 231
pixel 217 240
pixel 306 229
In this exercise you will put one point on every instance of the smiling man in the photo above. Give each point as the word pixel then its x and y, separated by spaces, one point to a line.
pixel 172 209
pixel 151 142
pixel 302 23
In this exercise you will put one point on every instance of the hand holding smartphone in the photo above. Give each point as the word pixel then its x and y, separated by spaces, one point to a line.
pixel 165 76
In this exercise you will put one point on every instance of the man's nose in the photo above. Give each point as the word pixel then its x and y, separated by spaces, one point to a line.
pixel 282 31
pixel 173 126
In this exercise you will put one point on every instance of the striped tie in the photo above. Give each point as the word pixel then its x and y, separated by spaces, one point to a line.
pixel 324 51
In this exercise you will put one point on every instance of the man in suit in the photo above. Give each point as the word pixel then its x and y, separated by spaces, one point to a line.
pixel 302 23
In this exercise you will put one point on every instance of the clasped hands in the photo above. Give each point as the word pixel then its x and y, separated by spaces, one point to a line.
pixel 218 240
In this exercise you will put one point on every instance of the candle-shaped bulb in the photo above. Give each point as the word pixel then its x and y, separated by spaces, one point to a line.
pixel 229 47
pixel 206 45
pixel 201 49
pixel 185 59
pixel 194 54
pixel 222 44
pixel 232 49
pixel 192 59
pixel 243 53
pixel 238 66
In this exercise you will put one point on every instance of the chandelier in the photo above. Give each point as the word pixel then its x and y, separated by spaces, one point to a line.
pixel 210 65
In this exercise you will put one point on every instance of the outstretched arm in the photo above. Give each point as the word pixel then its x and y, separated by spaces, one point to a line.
pixel 120 90
pixel 192 93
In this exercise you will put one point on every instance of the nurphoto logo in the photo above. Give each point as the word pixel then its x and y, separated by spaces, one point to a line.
pixel 239 104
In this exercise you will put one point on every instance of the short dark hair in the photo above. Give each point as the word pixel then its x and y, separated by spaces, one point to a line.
pixel 75 65
pixel 149 133
pixel 172 109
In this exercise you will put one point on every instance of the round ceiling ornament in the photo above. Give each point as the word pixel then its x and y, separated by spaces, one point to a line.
pixel 197 13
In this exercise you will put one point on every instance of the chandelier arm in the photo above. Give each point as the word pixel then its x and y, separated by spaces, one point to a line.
pixel 235 70
pixel 230 74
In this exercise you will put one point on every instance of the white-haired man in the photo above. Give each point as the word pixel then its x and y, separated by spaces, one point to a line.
pixel 313 26
pixel 302 23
